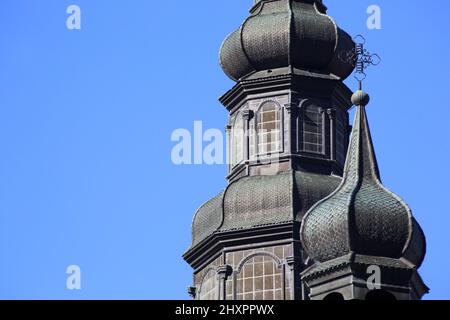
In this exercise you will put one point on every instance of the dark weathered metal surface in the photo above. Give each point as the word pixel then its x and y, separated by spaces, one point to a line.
pixel 286 33
pixel 361 216
pixel 292 205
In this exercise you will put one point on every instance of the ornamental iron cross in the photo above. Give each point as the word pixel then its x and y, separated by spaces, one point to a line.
pixel 360 58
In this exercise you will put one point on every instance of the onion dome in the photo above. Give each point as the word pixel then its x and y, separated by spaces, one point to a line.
pixel 361 216
pixel 289 34
pixel 257 201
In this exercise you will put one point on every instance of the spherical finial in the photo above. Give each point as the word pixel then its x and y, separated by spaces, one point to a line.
pixel 360 98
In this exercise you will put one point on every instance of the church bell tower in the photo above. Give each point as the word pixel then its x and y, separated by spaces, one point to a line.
pixel 273 233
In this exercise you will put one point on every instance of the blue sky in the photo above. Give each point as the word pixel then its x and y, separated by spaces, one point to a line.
pixel 86 117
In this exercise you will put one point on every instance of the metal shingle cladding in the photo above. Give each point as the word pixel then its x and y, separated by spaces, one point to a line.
pixel 361 216
pixel 261 200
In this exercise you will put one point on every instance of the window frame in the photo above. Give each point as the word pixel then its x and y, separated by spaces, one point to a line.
pixel 341 122
pixel 322 134
pixel 234 161
pixel 279 124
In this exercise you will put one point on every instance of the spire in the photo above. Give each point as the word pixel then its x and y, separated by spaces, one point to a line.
pixel 366 168
pixel 361 216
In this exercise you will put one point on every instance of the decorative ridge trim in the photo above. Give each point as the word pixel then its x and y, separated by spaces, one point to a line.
pixel 255 226
pixel 254 13
pixel 320 269
pixel 291 29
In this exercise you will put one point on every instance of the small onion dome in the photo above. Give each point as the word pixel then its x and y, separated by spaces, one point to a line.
pixel 287 33
pixel 362 216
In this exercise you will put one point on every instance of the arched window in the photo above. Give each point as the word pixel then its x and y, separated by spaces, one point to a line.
pixel 208 287
pixel 313 129
pixel 260 277
pixel 268 126
pixel 238 140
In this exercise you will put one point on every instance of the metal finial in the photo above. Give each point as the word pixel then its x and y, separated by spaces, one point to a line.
pixel 360 58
